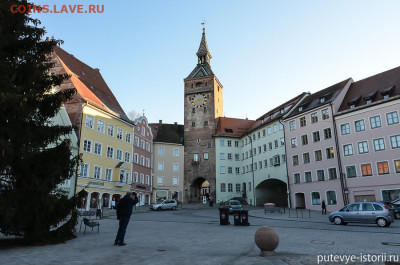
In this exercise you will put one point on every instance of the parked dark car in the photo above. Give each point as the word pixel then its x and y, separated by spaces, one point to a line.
pixel 363 212
pixel 395 208
pixel 234 205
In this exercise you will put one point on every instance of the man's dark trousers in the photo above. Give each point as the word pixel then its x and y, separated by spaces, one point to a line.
pixel 123 224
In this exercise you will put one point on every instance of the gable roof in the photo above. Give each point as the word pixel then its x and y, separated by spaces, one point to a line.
pixel 313 101
pixel 167 133
pixel 89 83
pixel 201 70
pixel 374 88
pixel 232 127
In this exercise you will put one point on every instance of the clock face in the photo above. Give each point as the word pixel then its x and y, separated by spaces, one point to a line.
pixel 199 100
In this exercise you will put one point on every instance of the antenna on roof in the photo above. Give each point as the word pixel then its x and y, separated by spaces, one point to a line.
pixel 203 23
pixel 143 112
pixel 246 117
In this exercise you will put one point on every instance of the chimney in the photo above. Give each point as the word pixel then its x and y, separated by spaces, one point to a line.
pixel 160 121
pixel 175 123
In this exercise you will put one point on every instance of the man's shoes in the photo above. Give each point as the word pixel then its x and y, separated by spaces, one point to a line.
pixel 116 243
pixel 122 244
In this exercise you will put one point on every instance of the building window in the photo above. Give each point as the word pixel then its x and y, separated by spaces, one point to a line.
pixel 316 137
pixel 308 177
pixel 87 145
pixel 327 133
pixel 205 156
pixel 383 168
pixel 325 114
pixel 395 141
pixel 137 141
pixel 397 165
pixel 275 128
pixel 266 162
pixel 89 122
pixel 148 147
pixel 318 155
pixel 135 177
pixel 360 125
pixel 237 170
pixel 120 133
pixel 160 166
pixel 303 122
pixel 223 189
pixel 222 156
pixel 97 172
pixel 351 171
pixel 84 170
pixel 332 173
pixel 379 144
pixel 229 156
pixel 143 144
pixel 110 152
pixel 375 122
pixel 292 126
pixel 97 148
pixel 270 144
pixel 176 152
pixel 331 197
pixel 148 162
pixel 176 167
pixel 363 147
pixel 119 155
pixel 238 187
pixel 229 143
pixel 296 178
pixel 108 174
pixel 320 175
pixel 283 158
pixel 230 171
pixel 101 126
pixel 147 179
pixel 110 130
pixel 205 123
pixel 142 161
pixel 136 158
pixel 315 198
pixel 193 124
pixel 128 137
pixel 282 140
pixel 392 118
pixel 175 181
pixel 127 157
pixel 330 153
pixel 345 128
pixel 306 158
pixel 314 117
pixel 366 170
pixel 222 169
pixel 293 142
pixel 348 149
pixel 304 139
pixel 230 187
pixel 222 143
pixel 295 159
pixel 160 180
pixel 236 143
pixel 160 151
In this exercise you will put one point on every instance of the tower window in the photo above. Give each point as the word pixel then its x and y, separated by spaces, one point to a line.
pixel 193 110
pixel 205 123
pixel 193 124
pixel 199 84
pixel 206 83
pixel 205 109
pixel 192 85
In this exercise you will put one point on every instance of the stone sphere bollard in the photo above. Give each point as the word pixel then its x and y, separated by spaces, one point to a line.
pixel 267 240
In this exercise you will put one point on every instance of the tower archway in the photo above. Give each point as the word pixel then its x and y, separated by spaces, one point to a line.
pixel 200 187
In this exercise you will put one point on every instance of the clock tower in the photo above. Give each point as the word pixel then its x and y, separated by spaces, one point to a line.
pixel 203 105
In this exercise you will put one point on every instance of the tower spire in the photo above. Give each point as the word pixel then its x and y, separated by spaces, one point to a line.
pixel 203 53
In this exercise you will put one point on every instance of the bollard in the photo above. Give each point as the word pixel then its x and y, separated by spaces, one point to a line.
pixel 267 240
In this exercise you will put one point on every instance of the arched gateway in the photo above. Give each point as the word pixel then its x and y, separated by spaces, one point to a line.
pixel 199 187
pixel 272 191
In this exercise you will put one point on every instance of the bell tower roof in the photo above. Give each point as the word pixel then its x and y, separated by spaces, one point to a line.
pixel 203 48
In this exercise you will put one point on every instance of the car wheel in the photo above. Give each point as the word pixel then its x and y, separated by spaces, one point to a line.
pixel 337 220
pixel 159 209
pixel 174 208
pixel 381 222
pixel 397 215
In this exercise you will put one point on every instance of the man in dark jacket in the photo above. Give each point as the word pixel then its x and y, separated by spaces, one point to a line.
pixel 124 211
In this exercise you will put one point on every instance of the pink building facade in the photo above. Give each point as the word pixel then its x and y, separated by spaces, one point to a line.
pixel 369 138
pixel 311 149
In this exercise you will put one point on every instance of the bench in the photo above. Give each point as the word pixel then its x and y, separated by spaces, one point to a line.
pixel 86 214
pixel 91 223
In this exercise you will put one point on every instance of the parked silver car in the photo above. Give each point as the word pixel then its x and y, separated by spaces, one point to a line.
pixel 164 205
pixel 234 205
pixel 363 212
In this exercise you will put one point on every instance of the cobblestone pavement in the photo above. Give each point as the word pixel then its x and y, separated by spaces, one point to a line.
pixel 192 235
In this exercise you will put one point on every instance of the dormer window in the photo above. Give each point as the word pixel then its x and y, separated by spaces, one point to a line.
pixel 370 97
pixel 321 100
pixel 282 111
pixel 228 130
pixel 369 101
pixel 387 92
pixel 352 106
pixel 300 108
pixel 385 96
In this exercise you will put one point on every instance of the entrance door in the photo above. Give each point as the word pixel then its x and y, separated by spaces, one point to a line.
pixel 300 201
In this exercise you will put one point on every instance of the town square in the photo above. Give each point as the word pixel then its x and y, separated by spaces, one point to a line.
pixel 187 132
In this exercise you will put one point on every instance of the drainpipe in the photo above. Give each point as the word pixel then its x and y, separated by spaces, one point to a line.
pixel 341 174
pixel 287 170
pixel 252 169
pixel 79 147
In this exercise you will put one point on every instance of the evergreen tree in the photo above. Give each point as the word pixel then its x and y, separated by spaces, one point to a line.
pixel 34 154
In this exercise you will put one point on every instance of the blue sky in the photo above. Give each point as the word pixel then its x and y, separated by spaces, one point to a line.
pixel 264 52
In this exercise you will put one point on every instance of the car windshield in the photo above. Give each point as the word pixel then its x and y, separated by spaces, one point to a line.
pixel 234 203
